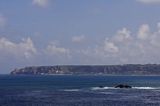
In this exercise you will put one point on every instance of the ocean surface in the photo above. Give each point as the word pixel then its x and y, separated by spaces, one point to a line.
pixel 68 90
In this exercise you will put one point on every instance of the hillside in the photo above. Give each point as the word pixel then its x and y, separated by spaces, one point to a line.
pixel 128 69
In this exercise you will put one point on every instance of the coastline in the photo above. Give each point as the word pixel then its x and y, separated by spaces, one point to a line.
pixel 73 75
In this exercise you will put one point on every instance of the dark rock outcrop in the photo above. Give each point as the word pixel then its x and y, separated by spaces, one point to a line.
pixel 123 86
pixel 101 86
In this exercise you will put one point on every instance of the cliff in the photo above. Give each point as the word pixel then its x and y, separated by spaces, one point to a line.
pixel 128 69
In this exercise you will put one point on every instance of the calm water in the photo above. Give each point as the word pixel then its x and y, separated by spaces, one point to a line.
pixel 68 90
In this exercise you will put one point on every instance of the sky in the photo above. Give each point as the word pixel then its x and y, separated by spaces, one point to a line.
pixel 78 32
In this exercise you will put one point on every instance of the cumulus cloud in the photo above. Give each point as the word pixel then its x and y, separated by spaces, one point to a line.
pixel 144 32
pixel 2 21
pixel 126 47
pixel 110 47
pixel 24 49
pixel 149 1
pixel 122 35
pixel 78 39
pixel 53 49
pixel 41 3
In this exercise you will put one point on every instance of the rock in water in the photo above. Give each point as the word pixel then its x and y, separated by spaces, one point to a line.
pixel 123 86
pixel 101 86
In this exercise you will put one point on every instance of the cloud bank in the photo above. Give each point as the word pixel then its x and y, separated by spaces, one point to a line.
pixel 124 47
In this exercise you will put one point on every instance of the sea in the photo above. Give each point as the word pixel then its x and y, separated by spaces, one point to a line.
pixel 77 90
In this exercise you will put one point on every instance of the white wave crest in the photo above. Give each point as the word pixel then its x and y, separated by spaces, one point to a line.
pixel 146 87
pixel 102 88
pixel 71 90
pixel 105 88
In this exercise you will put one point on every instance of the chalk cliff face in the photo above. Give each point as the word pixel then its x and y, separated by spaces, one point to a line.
pixel 128 69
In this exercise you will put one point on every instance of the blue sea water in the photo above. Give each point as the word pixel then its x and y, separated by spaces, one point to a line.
pixel 69 90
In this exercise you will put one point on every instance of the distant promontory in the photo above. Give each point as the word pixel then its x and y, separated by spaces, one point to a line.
pixel 128 69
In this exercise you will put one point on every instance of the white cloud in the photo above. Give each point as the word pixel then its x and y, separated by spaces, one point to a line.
pixel 122 35
pixel 2 21
pixel 144 32
pixel 125 48
pixel 24 49
pixel 78 39
pixel 41 3
pixel 110 47
pixel 149 1
pixel 53 49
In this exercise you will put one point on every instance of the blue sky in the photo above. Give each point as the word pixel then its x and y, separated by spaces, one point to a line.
pixel 57 32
